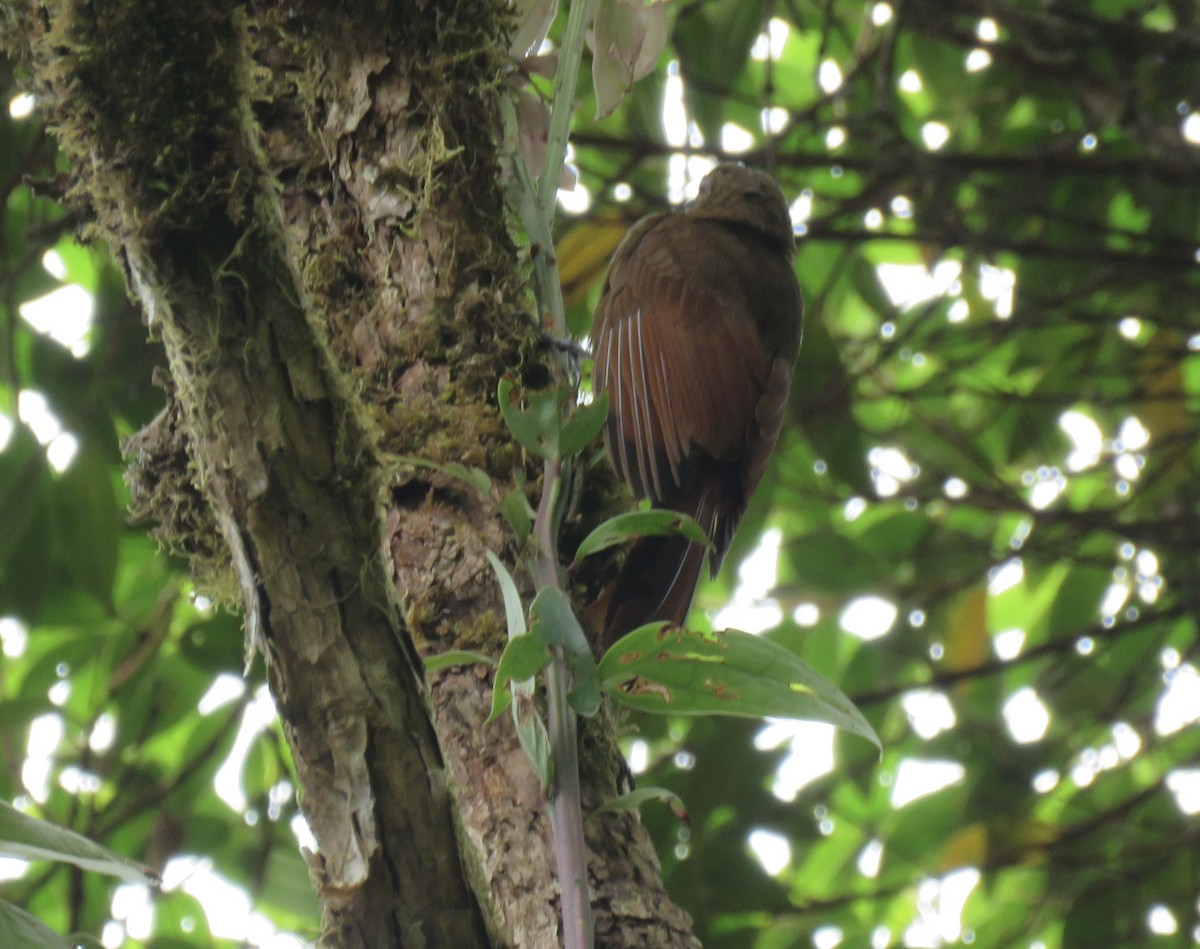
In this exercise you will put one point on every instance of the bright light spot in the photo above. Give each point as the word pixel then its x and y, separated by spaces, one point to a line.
pixel 1088 143
pixel 939 910
pixel 909 285
pixel 622 192
pixel 810 755
pixel 1184 783
pixel 1045 781
pixel 1026 716
pixel 835 137
pixel 916 619
pixel 1008 644
pixel 955 488
pixel 1126 740
pixel 1046 490
pixel 929 712
pixel 1128 466
pixel 104 733
pixel 1114 598
pixel 910 81
pixel 1179 704
pixel 674 114
pixel 74 780
pixel 806 614
pixel 65 315
pixel 61 451
pixel 873 219
pixel 902 206
pixel 958 312
pixel 303 833
pixel 54 265
pixel 228 780
pixel 1007 575
pixel 12 868
pixel 915 779
pixel 890 468
pixel 1133 435
pixel 13 637
pixel 1146 562
pixel 1190 128
pixel 21 106
pixel 881 937
pixel 59 693
pixel 829 76
pixel 1161 921
pixel 935 135
pixel 34 411
pixel 772 850
pixel 998 284
pixel 770 44
pixel 45 734
pixel 978 59
pixel 225 688
pixel 684 174
pixel 735 139
pixel 870 858
pixel 827 937
pixel 226 905
pixel 577 200
pixel 1129 327
pixel 881 14
pixel 639 756
pixel 802 208
pixel 774 120
pixel 854 508
pixel 1087 439
pixel 987 30
pixel 750 609
pixel 131 905
pixel 868 617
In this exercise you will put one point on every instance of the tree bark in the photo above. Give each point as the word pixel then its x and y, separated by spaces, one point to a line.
pixel 307 205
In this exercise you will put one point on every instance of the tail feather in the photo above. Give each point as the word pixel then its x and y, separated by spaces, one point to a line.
pixel 658 579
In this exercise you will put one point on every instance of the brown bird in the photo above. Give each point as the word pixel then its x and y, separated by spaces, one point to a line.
pixel 694 340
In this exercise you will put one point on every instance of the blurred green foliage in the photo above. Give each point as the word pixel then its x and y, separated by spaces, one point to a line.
pixel 927 463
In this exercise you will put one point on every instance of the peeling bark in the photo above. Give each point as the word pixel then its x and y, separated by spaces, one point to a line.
pixel 307 206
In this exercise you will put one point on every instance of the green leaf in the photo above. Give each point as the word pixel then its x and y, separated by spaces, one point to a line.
pixel 516 510
pixel 633 800
pixel 627 38
pixel 671 670
pixel 477 478
pixel 22 930
pixel 32 839
pixel 583 426
pixel 457 657
pixel 531 733
pixel 514 610
pixel 538 427
pixel 522 659
pixel 634 524
pixel 24 474
pixel 553 623
pixel 87 521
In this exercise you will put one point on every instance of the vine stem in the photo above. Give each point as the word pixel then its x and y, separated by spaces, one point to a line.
pixel 566 804
pixel 537 211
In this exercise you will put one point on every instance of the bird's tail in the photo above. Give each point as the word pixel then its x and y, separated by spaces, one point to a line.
pixel 658 579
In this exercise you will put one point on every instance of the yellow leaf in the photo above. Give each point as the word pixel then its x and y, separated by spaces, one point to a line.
pixel 583 253
pixel 967 633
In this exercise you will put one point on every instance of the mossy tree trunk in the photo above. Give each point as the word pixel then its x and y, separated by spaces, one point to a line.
pixel 306 204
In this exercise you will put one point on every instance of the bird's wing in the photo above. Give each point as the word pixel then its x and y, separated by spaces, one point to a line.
pixel 683 363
